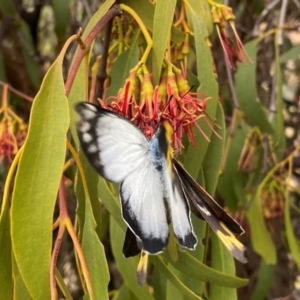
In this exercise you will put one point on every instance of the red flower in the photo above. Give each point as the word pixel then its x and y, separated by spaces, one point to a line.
pixel 170 101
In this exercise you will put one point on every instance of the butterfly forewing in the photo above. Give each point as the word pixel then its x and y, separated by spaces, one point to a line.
pixel 222 224
pixel 113 145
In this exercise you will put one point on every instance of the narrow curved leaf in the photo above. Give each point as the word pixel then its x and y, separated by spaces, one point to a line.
pixel 208 87
pixel 37 182
pixel 213 157
pixel 145 10
pixel 292 53
pixel 163 17
pixel 32 67
pixel 264 281
pixel 110 201
pixel 5 256
pixel 278 122
pixel 93 193
pixel 193 268
pixel 203 9
pixel 291 239
pixel 224 262
pixel 61 11
pixel 157 261
pixel 103 9
pixel 245 79
pixel 159 283
pixel 120 70
pixel 230 181
pixel 261 239
pixel 95 255
pixel 171 290
pixel 8 8
pixel 19 288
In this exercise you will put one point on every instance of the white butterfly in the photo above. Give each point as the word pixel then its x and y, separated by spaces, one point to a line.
pixel 154 188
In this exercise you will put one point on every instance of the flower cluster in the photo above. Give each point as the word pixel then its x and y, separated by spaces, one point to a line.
pixel 234 50
pixel 170 100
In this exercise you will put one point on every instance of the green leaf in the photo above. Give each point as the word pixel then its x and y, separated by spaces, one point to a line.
pixel 145 10
pixel 193 268
pixel 291 239
pixel 19 288
pixel 221 260
pixel 102 10
pixel 172 291
pixel 279 137
pixel 110 201
pixel 292 53
pixel 77 94
pixel 264 281
pixel 208 87
pixel 158 262
pixel 126 266
pixel 62 285
pixel 61 11
pixel 163 18
pixel 245 79
pixel 120 70
pixel 8 8
pixel 209 175
pixel 5 256
pixel 95 255
pixel 32 66
pixel 231 179
pixel 261 240
pixel 159 283
pixel 124 293
pixel 92 182
pixel 213 157
pixel 203 9
pixel 37 180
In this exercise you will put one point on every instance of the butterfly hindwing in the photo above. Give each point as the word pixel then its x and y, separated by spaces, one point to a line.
pixel 143 208
pixel 130 245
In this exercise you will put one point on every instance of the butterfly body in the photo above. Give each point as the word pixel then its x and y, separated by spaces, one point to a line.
pixel 154 188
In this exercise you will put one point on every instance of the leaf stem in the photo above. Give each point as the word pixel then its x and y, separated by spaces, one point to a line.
pixel 143 29
pixel 112 12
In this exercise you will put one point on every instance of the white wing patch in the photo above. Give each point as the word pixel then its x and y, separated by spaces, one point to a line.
pixel 113 145
pixel 143 207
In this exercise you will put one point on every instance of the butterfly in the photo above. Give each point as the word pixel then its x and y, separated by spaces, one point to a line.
pixel 155 189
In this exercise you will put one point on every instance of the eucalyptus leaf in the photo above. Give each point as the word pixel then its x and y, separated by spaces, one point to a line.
pixel 163 18
pixel 6 278
pixel 37 181
pixel 208 87
pixel 245 79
